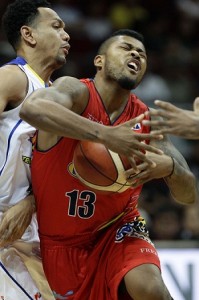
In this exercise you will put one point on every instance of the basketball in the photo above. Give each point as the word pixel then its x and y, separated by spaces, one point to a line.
pixel 100 168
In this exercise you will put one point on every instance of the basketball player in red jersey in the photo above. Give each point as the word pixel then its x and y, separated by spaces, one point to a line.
pixel 96 246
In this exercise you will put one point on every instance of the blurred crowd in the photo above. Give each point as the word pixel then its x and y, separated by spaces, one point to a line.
pixel 171 32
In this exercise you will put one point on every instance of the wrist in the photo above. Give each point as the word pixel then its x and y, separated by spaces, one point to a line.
pixel 103 134
pixel 172 168
pixel 31 200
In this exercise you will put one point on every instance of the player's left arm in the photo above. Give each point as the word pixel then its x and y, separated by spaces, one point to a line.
pixel 181 181
pixel 172 167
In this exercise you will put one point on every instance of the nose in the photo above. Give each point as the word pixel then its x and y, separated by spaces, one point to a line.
pixel 135 53
pixel 65 36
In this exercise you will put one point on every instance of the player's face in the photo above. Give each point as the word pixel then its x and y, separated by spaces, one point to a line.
pixel 51 38
pixel 125 62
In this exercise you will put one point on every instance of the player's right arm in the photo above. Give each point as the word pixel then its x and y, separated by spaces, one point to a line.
pixel 13 87
pixel 15 220
pixel 56 112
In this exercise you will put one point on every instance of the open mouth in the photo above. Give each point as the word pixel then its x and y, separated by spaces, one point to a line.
pixel 65 51
pixel 134 66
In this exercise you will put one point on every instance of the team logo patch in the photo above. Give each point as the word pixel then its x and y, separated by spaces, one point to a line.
pixel 137 126
pixel 137 228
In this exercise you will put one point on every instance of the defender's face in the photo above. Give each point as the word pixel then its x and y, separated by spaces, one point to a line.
pixel 51 38
pixel 126 59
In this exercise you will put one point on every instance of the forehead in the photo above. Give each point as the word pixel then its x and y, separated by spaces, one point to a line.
pixel 47 15
pixel 124 39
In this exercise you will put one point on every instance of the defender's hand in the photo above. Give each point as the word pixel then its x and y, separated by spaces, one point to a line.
pixel 15 221
pixel 176 121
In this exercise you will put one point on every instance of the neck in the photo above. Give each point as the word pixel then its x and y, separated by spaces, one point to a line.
pixel 43 69
pixel 113 96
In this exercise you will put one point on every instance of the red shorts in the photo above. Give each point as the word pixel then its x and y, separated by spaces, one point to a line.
pixel 95 269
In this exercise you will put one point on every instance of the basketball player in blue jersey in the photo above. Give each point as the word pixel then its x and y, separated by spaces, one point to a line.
pixel 100 241
pixel 37 35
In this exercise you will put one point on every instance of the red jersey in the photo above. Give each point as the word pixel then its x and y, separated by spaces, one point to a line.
pixel 71 208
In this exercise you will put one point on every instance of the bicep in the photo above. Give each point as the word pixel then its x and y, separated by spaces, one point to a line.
pixel 6 93
pixel 47 95
pixel 67 91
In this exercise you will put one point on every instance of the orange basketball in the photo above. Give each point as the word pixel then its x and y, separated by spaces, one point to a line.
pixel 100 168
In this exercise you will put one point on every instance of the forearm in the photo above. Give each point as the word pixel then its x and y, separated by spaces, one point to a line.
pixel 30 200
pixel 182 184
pixel 55 118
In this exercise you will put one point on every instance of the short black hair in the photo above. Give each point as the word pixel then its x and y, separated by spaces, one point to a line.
pixel 126 32
pixel 19 13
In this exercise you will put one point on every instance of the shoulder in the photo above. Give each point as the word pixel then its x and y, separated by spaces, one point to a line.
pixel 138 103
pixel 13 76
pixel 66 81
pixel 12 72
pixel 71 85
pixel 68 91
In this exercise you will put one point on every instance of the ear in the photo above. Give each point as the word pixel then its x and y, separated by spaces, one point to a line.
pixel 27 35
pixel 98 61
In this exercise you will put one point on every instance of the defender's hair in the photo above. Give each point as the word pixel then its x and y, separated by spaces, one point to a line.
pixel 19 13
pixel 126 32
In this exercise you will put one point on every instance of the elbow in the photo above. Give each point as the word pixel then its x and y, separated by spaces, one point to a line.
pixel 23 113
pixel 191 200
pixel 195 189
pixel 186 201
pixel 29 112
pixel 190 195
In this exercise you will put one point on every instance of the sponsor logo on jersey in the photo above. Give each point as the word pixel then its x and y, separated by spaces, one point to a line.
pixel 148 250
pixel 92 118
pixel 26 159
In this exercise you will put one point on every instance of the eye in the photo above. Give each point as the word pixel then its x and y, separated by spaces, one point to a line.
pixel 143 55
pixel 126 48
pixel 56 25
